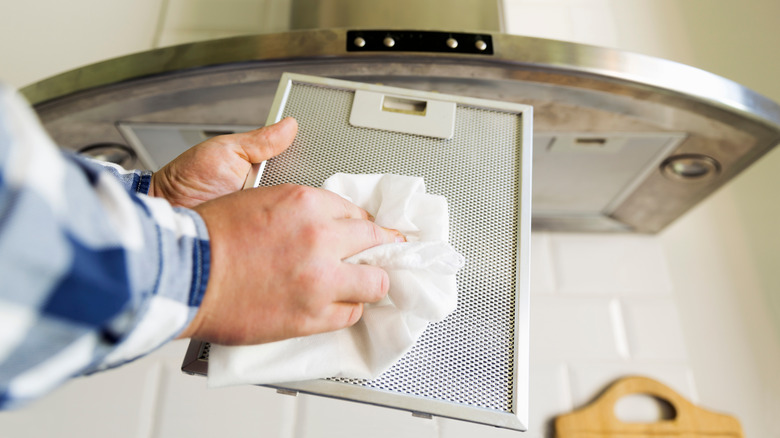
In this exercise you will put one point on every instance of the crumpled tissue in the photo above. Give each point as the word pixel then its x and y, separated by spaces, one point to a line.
pixel 423 289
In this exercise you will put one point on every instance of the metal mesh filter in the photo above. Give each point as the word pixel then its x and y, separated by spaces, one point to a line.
pixel 468 358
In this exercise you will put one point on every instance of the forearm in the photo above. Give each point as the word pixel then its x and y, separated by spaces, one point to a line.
pixel 91 275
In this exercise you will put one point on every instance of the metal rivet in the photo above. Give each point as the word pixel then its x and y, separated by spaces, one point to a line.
pixel 452 43
pixel 480 45
pixel 388 42
pixel 360 42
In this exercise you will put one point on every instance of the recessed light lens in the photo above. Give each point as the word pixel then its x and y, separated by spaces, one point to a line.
pixel 690 167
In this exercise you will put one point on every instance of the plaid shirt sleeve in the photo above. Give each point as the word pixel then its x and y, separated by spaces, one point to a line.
pixel 93 273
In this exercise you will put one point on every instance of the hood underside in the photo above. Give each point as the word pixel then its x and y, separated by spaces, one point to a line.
pixel 622 142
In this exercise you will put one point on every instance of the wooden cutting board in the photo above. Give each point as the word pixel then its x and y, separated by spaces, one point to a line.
pixel 598 419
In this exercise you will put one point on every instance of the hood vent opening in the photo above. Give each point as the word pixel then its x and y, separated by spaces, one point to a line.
pixel 585 176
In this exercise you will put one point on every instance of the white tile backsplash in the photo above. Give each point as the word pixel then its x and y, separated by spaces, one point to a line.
pixel 116 403
pixel 609 264
pixel 653 329
pixel 188 408
pixel 321 417
pixel 619 326
pixel 542 276
pixel 570 328
pixel 550 394
pixel 460 429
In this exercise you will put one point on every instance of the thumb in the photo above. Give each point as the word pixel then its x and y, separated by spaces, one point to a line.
pixel 268 141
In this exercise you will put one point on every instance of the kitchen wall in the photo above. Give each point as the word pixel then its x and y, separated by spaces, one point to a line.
pixel 695 306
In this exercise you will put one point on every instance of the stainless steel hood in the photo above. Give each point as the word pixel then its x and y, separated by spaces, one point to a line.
pixel 622 141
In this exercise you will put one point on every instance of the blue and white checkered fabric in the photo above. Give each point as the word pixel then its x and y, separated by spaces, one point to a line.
pixel 93 273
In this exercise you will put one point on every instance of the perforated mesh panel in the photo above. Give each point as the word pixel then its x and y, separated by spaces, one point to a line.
pixel 467 358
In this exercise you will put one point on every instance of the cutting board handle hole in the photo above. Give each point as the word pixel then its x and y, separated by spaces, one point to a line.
pixel 644 408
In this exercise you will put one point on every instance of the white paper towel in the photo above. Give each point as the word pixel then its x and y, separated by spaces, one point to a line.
pixel 422 289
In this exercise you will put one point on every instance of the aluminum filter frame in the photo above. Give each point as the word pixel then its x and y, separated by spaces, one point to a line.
pixel 473 365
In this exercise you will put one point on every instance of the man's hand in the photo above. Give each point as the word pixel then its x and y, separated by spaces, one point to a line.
pixel 276 253
pixel 219 166
pixel 277 269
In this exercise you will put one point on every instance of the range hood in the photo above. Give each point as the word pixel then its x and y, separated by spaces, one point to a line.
pixel 622 142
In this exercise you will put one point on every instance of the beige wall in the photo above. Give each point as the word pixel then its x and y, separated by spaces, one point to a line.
pixel 740 40
pixel 42 38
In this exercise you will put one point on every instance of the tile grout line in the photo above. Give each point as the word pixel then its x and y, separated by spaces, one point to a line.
pixel 566 384
pixel 566 375
pixel 619 329
pixel 691 383
pixel 150 419
pixel 299 411
pixel 550 262
pixel 437 427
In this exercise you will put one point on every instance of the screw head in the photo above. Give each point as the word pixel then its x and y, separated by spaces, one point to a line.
pixel 388 42
pixel 480 45
pixel 359 42
pixel 452 43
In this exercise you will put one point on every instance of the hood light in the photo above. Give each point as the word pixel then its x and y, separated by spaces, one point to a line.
pixel 690 168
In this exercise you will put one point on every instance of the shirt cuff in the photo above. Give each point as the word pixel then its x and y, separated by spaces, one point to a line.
pixel 144 182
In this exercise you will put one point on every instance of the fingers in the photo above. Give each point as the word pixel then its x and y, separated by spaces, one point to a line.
pixel 360 283
pixel 269 141
pixel 364 284
pixel 359 235
pixel 339 208
pixel 339 316
pixel 352 230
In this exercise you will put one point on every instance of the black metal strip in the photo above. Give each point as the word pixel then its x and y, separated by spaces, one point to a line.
pixel 418 41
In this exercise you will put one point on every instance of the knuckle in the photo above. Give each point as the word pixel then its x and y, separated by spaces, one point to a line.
pixel 379 284
pixel 310 276
pixel 373 233
pixel 303 324
pixel 312 283
pixel 349 317
pixel 312 236
pixel 384 283
pixel 303 196
pixel 357 313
